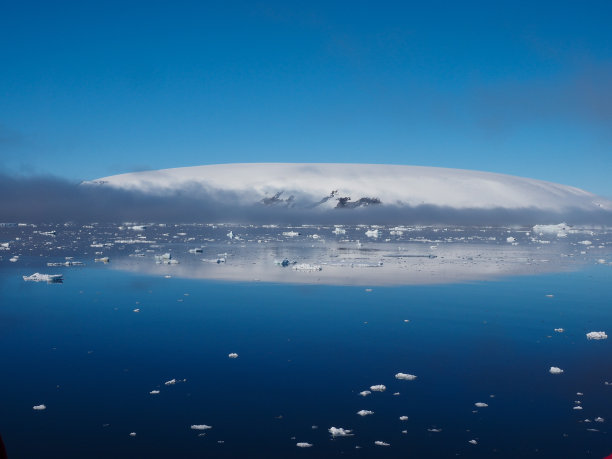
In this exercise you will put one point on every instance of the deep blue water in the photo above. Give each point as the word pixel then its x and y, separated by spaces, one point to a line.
pixel 305 353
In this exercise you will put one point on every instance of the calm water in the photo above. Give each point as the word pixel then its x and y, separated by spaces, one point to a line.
pixel 305 350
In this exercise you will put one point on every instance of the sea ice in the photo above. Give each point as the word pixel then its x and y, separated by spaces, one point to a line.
pixel 303 445
pixel 555 371
pixel 39 407
pixel 378 388
pixel 405 377
pixel 481 405
pixel 381 443
pixel 365 412
pixel 200 427
pixel 233 355
pixel 597 335
pixel 340 432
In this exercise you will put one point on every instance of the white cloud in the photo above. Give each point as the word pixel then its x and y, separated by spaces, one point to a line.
pixel 364 412
pixel 405 377
pixel 303 445
pixel 378 388
pixel 597 335
pixel 381 443
pixel 39 407
pixel 340 432
pixel 200 427
pixel 555 371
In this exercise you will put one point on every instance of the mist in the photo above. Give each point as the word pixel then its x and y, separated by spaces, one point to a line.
pixel 46 199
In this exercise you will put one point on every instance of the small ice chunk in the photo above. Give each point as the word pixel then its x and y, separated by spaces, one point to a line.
pixel 559 330
pixel 303 444
pixel 433 429
pixel 365 412
pixel 405 377
pixel 154 392
pixel 137 310
pixel 403 418
pixel 364 393
pixel 381 443
pixel 585 242
pixel 510 239
pixel 372 233
pixel 233 355
pixel 598 419
pixel 597 335
pixel 39 407
pixel 473 442
pixel 378 388
pixel 171 382
pixel 555 371
pixel 577 407
pixel 340 432
pixel 481 404
pixel 200 427
pixel 132 434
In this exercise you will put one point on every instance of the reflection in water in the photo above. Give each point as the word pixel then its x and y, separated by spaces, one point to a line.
pixel 340 263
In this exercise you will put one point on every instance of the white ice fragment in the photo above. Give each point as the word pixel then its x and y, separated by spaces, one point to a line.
pixel 405 377
pixel 434 430
pixel 307 267
pixel 559 330
pixel 39 407
pixel 510 239
pixel 381 443
pixel 137 310
pixel 473 442
pixel 291 233
pixel 49 278
pixel 403 418
pixel 378 388
pixel 303 445
pixel 365 412
pixel 555 371
pixel 171 382
pixel 598 419
pixel 132 434
pixel 154 392
pixel 200 427
pixel 340 432
pixel 364 393
pixel 577 407
pixel 233 355
pixel 585 242
pixel 372 233
pixel 597 335
pixel 481 404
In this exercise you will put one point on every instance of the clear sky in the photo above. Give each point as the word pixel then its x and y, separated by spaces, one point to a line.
pixel 89 89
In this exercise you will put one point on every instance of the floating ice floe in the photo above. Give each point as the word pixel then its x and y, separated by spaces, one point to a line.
pixel 405 377
pixel 338 230
pixel 365 412
pixel 340 432
pixel 555 371
pixel 598 419
pixel 559 330
pixel 102 260
pixel 378 388
pixel 510 239
pixel 434 430
pixel 381 443
pixel 39 407
pixel 154 392
pixel 597 335
pixel 585 242
pixel 172 382
pixel 372 233
pixel 403 418
pixel 196 250
pixel 577 407
pixel 364 393
pixel 481 404
pixel 291 233
pixel 473 442
pixel 307 267
pixel 132 434
pixel 49 278
pixel 233 355
pixel 303 445
pixel 200 427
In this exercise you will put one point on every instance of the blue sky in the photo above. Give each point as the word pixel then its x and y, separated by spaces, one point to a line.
pixel 89 89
